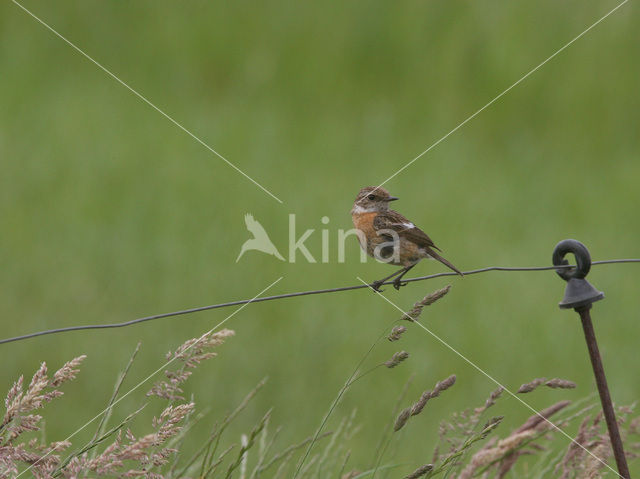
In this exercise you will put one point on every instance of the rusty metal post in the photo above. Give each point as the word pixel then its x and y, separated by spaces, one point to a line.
pixel 579 295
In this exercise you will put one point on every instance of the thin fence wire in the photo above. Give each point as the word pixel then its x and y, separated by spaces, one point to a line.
pixel 167 363
pixel 294 295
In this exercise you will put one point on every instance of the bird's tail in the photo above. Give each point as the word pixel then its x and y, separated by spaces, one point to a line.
pixel 436 256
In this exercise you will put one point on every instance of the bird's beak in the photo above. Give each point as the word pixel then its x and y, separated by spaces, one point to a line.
pixel 392 198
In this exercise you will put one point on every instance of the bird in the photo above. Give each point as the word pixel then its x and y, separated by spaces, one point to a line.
pixel 389 237
pixel 260 240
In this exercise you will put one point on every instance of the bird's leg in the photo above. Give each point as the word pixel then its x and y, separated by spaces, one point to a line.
pixel 397 283
pixel 376 284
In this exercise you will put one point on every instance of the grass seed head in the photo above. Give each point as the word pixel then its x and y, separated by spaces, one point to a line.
pixel 421 471
pixel 396 359
pixel 396 332
pixel 560 384
pixel 416 311
pixel 530 386
pixel 402 419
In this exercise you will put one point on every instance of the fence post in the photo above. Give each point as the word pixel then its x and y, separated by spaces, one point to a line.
pixel 579 295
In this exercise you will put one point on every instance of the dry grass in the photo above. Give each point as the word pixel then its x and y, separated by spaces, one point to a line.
pixel 414 313
pixel 469 443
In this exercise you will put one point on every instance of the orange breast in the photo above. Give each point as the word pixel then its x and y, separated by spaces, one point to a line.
pixel 364 222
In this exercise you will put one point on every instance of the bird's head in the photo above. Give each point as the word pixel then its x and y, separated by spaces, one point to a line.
pixel 372 198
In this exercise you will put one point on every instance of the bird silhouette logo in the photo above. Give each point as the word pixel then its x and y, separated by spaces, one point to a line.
pixel 260 240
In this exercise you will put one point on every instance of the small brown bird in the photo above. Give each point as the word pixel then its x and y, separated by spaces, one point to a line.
pixel 390 237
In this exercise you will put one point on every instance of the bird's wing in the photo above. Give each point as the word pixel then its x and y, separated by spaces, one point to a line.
pixel 393 220
pixel 253 225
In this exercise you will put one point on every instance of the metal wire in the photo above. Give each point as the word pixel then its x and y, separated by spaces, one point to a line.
pixel 293 295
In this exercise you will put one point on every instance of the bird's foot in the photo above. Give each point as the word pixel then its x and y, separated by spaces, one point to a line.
pixel 376 285
pixel 398 283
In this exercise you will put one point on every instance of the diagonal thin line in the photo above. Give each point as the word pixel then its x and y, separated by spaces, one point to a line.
pixel 471 363
pixel 567 45
pixel 152 374
pixel 139 95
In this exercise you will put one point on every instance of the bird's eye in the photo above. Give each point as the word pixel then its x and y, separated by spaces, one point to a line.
pixel 372 197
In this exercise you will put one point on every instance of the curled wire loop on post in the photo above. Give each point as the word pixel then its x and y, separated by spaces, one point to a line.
pixel 583 259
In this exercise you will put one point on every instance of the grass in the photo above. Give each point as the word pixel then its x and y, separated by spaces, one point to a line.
pixel 109 212
pixel 168 449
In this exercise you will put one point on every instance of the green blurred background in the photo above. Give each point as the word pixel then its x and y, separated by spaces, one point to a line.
pixel 110 212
